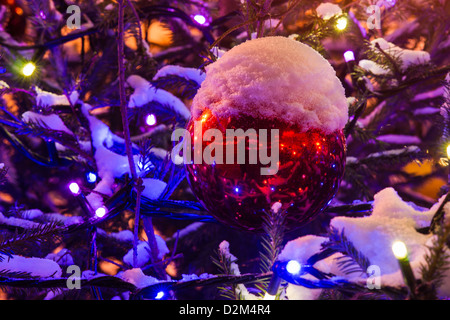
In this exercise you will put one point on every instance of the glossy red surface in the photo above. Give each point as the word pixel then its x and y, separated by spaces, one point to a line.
pixel 311 165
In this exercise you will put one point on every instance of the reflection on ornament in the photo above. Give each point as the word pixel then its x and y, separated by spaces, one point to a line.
pixel 311 165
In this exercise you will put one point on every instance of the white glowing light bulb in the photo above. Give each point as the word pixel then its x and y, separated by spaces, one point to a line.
pixel 399 249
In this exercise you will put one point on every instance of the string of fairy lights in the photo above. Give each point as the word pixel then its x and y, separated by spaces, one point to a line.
pixel 290 271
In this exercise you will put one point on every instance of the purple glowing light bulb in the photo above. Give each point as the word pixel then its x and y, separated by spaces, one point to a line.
pixel 349 56
pixel 150 120
pixel 200 19
pixel 74 188
pixel 100 212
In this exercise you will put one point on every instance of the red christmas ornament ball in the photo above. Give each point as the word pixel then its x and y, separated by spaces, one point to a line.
pixel 311 165
pixel 270 83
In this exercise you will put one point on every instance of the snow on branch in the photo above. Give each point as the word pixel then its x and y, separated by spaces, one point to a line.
pixel 399 139
pixel 193 74
pixel 47 99
pixel 372 236
pixel 394 153
pixel 35 267
pixel 389 156
pixel 51 121
pixel 406 57
pixel 145 93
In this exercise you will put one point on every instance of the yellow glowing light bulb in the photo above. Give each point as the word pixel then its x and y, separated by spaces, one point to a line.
pixel 341 23
pixel 400 251
pixel 28 69
pixel 448 151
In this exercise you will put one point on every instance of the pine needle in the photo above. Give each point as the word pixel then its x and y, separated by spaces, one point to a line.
pixel 36 234
pixel 436 260
pixel 353 261
pixel 223 263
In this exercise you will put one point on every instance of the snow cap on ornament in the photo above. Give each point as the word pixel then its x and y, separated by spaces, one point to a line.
pixel 274 78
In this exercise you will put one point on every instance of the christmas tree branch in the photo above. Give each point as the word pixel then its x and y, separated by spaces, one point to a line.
pixel 274 229
pixel 353 261
pixel 3 172
pixel 438 217
pixel 387 157
pixel 35 234
pixel 360 108
pixel 4 273
pixel 125 123
pixel 52 43
pixel 35 157
pixel 385 93
pixel 436 260
pixel 40 129
pixel 138 22
pixel 123 102
pixel 224 263
pixel 221 280
pixel 101 281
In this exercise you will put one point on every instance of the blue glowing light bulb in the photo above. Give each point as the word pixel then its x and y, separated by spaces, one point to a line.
pixel 91 177
pixel 159 295
pixel 293 267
